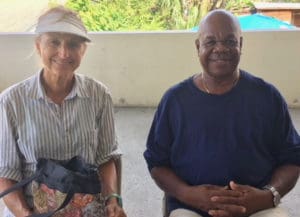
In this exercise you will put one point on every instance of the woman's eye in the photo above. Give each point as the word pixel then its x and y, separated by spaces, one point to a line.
pixel 55 43
pixel 74 44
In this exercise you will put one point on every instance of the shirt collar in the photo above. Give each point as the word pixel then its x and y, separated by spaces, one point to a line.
pixel 80 88
pixel 37 90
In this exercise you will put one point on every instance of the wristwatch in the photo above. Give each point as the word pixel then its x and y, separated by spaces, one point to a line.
pixel 276 195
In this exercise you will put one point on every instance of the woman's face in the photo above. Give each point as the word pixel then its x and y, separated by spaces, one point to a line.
pixel 61 53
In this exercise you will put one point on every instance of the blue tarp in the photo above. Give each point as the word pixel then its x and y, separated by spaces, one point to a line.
pixel 260 22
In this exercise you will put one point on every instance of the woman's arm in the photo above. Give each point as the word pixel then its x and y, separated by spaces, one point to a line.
pixel 15 201
pixel 109 183
pixel 108 177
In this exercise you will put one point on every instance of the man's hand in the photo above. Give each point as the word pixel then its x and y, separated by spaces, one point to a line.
pixel 252 199
pixel 200 196
pixel 113 209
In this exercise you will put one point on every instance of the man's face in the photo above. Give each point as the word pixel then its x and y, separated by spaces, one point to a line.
pixel 219 45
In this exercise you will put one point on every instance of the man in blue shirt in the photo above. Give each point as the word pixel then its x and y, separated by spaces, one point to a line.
pixel 222 142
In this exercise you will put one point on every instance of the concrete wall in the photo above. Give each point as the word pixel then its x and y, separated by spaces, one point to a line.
pixel 139 67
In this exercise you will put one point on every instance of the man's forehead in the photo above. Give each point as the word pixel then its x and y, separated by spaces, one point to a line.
pixel 219 35
pixel 220 21
pixel 219 31
pixel 219 15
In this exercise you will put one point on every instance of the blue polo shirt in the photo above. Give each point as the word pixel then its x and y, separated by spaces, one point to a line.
pixel 242 135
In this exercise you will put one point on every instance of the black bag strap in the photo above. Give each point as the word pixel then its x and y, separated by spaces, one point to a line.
pixel 47 168
pixel 20 184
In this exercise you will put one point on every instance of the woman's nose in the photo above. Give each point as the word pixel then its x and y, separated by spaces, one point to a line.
pixel 64 51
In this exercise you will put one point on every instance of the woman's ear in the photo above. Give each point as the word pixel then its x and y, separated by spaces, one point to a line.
pixel 37 45
pixel 83 49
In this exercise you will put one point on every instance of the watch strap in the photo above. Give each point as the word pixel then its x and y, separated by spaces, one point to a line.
pixel 276 195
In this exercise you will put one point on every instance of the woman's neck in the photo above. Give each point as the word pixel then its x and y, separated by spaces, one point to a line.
pixel 57 87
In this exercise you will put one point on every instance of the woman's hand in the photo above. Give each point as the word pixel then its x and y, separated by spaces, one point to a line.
pixel 113 209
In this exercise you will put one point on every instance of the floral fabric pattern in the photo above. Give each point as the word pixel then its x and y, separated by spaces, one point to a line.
pixel 46 199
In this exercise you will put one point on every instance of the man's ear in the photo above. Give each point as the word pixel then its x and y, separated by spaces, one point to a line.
pixel 197 43
pixel 241 42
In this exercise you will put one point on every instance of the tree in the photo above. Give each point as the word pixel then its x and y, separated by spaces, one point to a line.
pixel 112 15
pixel 124 15
pixel 239 6
pixel 185 14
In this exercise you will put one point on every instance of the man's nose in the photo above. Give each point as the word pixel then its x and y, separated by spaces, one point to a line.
pixel 221 45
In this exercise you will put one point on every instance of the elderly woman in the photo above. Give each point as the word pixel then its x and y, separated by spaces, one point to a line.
pixel 57 114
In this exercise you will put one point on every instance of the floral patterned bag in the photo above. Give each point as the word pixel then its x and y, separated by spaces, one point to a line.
pixel 64 189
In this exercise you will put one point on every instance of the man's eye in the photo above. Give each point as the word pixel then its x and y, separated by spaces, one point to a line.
pixel 230 42
pixel 209 43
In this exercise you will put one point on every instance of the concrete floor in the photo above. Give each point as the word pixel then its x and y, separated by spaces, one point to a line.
pixel 142 198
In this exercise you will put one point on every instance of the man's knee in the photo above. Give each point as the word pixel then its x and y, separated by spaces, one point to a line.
pixel 274 212
pixel 183 213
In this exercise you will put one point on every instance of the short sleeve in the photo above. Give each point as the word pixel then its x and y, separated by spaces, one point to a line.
pixel 285 136
pixel 161 134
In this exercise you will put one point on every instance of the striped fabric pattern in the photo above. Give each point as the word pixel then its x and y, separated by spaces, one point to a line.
pixel 32 126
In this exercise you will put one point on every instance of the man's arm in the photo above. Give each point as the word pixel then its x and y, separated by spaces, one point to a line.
pixel 194 196
pixel 169 182
pixel 15 201
pixel 283 179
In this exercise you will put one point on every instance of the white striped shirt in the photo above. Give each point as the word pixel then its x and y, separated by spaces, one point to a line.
pixel 32 126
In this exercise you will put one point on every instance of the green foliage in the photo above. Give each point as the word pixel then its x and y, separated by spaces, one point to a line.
pixel 185 14
pixel 131 15
pixel 122 15
pixel 239 5
pixel 118 15
pixel 287 1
